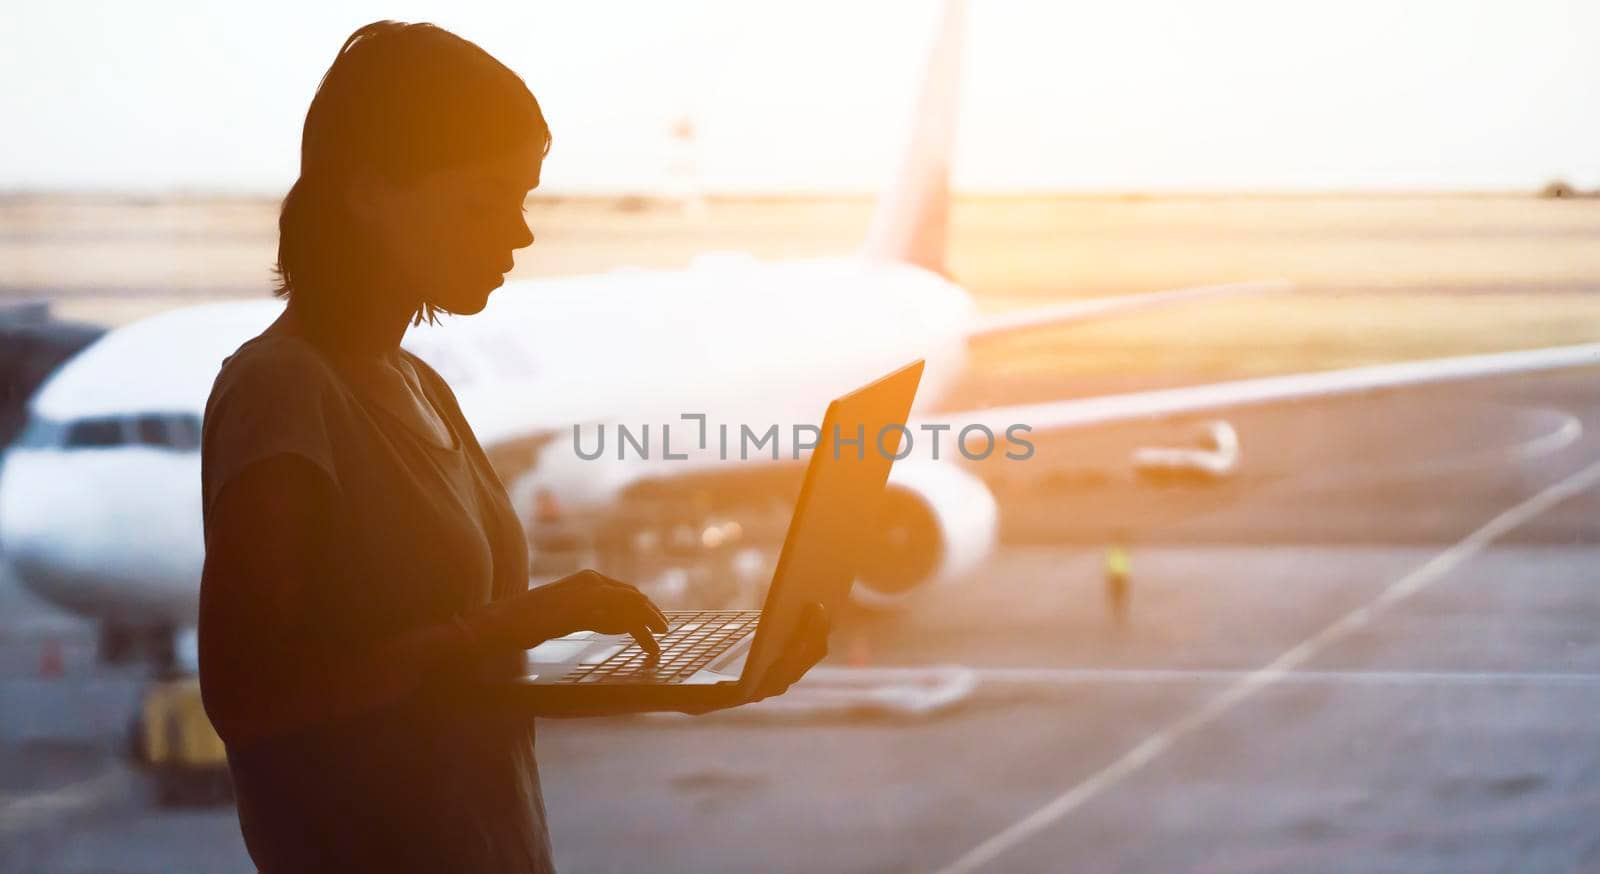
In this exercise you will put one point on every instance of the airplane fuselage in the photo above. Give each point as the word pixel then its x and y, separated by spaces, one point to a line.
pixel 99 501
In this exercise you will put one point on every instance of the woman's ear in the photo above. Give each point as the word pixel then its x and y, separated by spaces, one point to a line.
pixel 368 196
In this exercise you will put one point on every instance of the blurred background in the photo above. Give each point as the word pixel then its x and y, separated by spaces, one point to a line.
pixel 1339 629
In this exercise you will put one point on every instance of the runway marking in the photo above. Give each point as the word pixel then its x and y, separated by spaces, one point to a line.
pixel 17 814
pixel 1531 449
pixel 1063 677
pixel 1162 740
pixel 1558 439
pixel 1511 812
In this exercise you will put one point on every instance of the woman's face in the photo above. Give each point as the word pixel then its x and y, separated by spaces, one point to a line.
pixel 449 235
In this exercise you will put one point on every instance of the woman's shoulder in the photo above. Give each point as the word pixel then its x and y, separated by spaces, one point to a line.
pixel 275 375
pixel 274 364
pixel 286 354
pixel 274 395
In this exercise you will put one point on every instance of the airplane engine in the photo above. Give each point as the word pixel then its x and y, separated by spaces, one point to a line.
pixel 939 522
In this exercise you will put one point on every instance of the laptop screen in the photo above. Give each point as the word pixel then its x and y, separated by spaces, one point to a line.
pixel 837 512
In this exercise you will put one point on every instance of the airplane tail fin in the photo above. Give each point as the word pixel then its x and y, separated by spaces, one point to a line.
pixel 913 213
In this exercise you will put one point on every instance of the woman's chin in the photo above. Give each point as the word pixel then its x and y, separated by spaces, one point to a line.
pixel 466 302
pixel 470 307
pixel 482 298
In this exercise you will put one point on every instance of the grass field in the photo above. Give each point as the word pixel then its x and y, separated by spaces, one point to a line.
pixel 1377 278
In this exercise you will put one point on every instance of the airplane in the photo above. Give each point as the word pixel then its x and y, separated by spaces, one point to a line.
pixel 100 501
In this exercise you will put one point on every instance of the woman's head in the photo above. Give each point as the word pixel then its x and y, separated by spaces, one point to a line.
pixel 418 151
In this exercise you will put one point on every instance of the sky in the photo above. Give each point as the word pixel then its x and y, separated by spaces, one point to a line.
pixel 815 96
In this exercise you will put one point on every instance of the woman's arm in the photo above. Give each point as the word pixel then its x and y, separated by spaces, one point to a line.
pixel 264 668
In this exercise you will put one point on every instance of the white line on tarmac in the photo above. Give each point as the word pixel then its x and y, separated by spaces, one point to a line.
pixel 20 812
pixel 1555 441
pixel 1273 672
pixel 1069 677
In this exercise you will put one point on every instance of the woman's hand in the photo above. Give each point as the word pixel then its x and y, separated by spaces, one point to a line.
pixel 583 601
pixel 807 646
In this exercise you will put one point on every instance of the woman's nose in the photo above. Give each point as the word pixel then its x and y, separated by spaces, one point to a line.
pixel 524 237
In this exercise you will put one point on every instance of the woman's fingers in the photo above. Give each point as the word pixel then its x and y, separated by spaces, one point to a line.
pixel 644 619
pixel 817 619
pixel 647 612
pixel 658 620
pixel 627 611
pixel 808 649
pixel 807 646
pixel 812 635
pixel 647 642
pixel 808 656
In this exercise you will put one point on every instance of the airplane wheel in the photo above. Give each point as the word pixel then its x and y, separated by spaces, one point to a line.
pixel 221 786
pixel 169 791
pixel 183 787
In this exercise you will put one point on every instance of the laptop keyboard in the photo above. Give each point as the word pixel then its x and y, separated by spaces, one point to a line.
pixel 693 640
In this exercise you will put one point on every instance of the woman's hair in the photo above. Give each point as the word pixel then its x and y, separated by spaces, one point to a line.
pixel 400 100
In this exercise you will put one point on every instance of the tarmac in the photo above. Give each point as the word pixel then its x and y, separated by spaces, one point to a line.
pixel 1375 650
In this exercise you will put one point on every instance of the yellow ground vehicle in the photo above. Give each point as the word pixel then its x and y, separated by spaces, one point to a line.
pixel 174 740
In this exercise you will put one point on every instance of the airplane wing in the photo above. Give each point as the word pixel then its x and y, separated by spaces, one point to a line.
pixel 1051 416
pixel 1162 403
pixel 956 510
pixel 1101 307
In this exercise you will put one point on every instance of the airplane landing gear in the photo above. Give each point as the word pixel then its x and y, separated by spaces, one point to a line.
pixel 124 644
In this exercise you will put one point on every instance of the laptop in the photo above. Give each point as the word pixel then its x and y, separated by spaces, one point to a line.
pixel 719 657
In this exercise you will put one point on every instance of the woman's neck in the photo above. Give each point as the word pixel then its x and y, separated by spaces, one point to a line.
pixel 362 330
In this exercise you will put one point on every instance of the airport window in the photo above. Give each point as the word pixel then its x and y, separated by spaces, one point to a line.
pixel 97 432
pixel 1244 517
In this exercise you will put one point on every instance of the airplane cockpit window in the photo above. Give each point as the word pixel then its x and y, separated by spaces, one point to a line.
pixel 40 433
pixel 177 431
pixel 168 431
pixel 150 430
pixel 184 431
pixel 98 432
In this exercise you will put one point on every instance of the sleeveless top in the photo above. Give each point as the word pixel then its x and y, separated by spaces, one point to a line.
pixel 431 782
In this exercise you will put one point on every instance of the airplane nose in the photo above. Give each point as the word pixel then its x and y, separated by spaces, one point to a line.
pixel 4 456
pixel 103 532
pixel 20 518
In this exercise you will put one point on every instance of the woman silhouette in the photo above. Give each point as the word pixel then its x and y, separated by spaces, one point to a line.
pixel 363 563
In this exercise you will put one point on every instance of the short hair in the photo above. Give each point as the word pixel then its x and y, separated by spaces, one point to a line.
pixel 399 100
